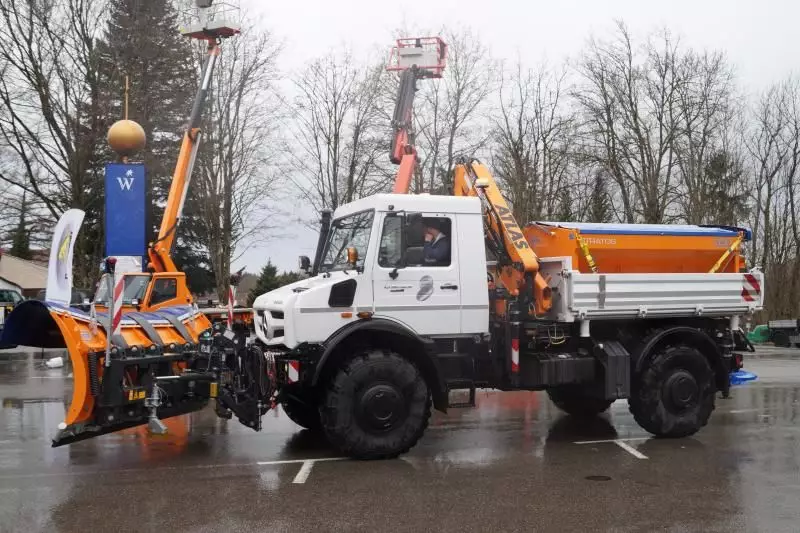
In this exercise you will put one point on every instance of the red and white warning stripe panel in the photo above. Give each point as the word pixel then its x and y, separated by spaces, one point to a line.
pixel 515 356
pixel 231 296
pixel 293 371
pixel 119 290
pixel 751 288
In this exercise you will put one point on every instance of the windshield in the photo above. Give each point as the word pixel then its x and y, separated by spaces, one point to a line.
pixel 10 296
pixel 348 232
pixel 135 288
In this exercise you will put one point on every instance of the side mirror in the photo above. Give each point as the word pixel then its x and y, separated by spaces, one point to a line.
pixel 352 256
pixel 305 264
pixel 135 302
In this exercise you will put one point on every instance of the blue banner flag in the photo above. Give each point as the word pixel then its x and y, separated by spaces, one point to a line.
pixel 125 209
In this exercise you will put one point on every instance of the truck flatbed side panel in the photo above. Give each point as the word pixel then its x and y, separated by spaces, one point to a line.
pixel 783 324
pixel 613 296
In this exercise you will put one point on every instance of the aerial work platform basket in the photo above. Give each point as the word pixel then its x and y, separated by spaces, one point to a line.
pixel 427 54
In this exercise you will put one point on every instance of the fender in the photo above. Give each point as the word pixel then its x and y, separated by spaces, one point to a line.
pixel 693 336
pixel 423 356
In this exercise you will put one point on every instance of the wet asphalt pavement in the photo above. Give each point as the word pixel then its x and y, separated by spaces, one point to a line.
pixel 514 463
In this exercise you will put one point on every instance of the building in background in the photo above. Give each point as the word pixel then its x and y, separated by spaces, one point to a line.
pixel 27 277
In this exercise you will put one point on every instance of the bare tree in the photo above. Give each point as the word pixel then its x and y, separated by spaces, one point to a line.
pixel 630 104
pixel 234 181
pixel 340 134
pixel 533 138
pixel 448 111
pixel 52 120
pixel 768 152
pixel 773 145
pixel 706 146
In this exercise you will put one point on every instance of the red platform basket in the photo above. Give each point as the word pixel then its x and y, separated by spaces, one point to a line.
pixel 428 54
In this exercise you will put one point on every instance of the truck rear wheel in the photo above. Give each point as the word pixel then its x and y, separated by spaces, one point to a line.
pixel 574 401
pixel 674 395
pixel 377 406
pixel 781 339
pixel 302 407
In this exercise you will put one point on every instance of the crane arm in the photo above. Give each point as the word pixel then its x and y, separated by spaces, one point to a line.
pixel 403 152
pixel 415 58
pixel 518 266
pixel 159 252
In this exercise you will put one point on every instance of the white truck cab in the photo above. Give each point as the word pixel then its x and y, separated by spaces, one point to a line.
pixel 444 296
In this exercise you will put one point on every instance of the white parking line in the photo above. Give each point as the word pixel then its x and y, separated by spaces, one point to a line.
pixel 290 461
pixel 304 472
pixel 610 440
pixel 630 449
pixel 93 472
pixel 621 443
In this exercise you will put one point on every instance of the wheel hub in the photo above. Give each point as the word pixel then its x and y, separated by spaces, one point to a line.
pixel 381 407
pixel 681 390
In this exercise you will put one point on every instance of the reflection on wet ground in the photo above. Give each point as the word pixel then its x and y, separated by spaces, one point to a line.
pixel 511 464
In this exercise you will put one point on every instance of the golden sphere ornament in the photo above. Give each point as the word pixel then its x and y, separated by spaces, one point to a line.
pixel 126 137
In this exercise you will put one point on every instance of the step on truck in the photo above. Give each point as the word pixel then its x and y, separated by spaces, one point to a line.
pixel 409 297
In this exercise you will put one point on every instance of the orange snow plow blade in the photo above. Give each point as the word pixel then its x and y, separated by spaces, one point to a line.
pixel 110 397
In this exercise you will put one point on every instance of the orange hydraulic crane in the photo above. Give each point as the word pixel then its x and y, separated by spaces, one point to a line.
pixel 159 251
pixel 415 59
pixel 518 266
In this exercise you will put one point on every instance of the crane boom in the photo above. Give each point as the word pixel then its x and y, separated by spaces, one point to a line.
pixel 160 251
pixel 518 266
pixel 416 58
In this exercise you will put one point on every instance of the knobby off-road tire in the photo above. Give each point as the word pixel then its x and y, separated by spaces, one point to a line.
pixel 674 394
pixel 781 339
pixel 574 401
pixel 302 407
pixel 377 406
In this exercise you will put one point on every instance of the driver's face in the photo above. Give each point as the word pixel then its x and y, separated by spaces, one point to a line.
pixel 433 232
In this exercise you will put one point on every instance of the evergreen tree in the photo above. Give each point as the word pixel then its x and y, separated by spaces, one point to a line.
pixel 564 210
pixel 269 280
pixel 143 43
pixel 21 237
pixel 600 209
pixel 726 200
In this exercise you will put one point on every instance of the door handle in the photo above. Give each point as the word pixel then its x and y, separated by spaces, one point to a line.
pixel 449 286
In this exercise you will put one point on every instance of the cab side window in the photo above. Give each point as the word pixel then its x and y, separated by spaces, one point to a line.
pixel 164 289
pixel 431 243
pixel 427 242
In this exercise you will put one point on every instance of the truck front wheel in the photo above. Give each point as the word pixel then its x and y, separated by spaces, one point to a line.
pixel 574 401
pixel 377 406
pixel 674 395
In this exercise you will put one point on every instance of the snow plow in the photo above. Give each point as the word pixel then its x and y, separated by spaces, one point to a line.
pixel 144 351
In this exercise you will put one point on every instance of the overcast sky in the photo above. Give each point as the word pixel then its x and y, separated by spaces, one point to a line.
pixel 759 37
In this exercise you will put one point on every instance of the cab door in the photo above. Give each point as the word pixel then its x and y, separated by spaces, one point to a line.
pixel 426 298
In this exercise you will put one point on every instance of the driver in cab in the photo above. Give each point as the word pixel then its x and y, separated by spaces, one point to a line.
pixel 437 245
